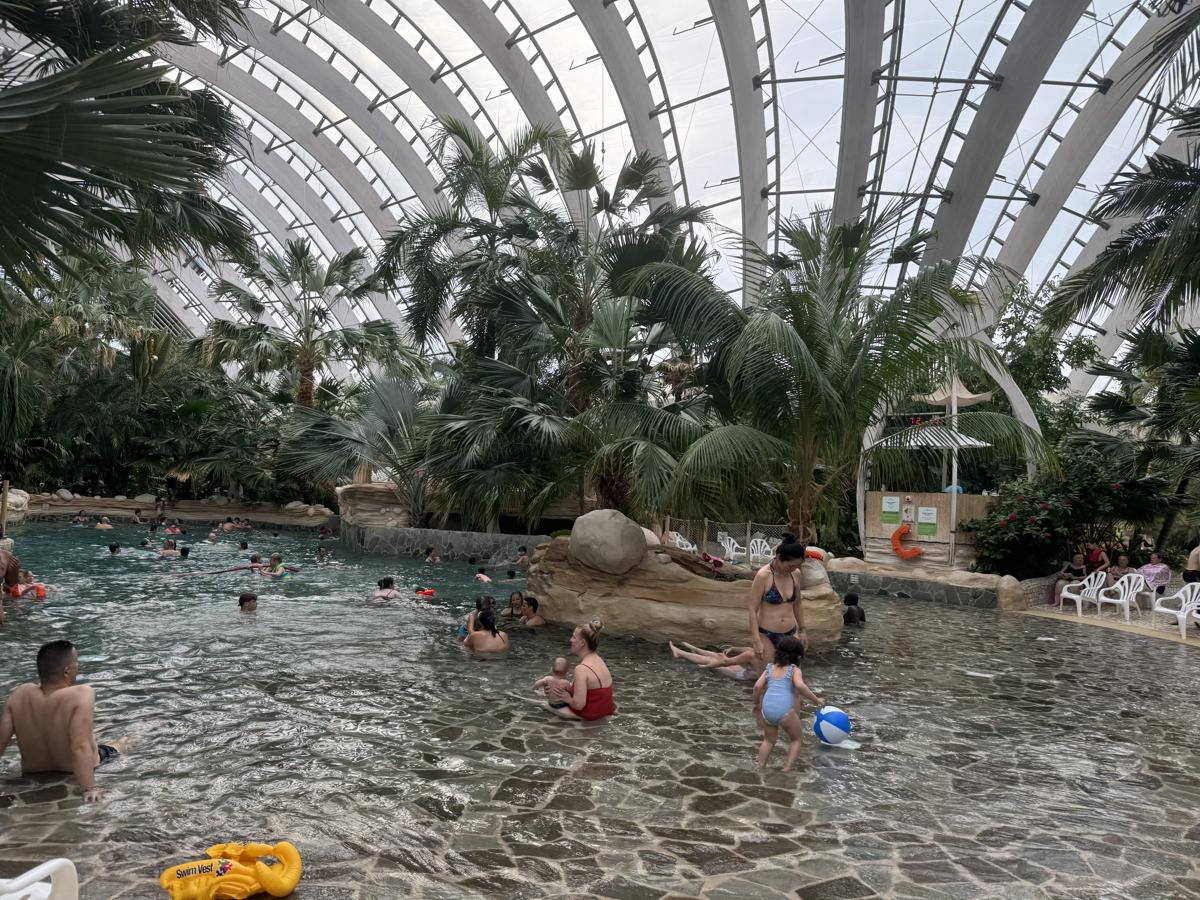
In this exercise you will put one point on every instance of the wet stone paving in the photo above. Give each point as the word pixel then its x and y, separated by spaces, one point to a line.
pixel 1001 757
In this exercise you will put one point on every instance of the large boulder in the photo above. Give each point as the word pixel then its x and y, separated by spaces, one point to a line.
pixel 145 498
pixel 18 501
pixel 659 598
pixel 295 506
pixel 651 538
pixel 606 540
pixel 1010 595
pixel 64 494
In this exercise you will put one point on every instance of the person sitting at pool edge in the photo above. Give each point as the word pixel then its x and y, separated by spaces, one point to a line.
pixel 532 617
pixel 481 576
pixel 853 614
pixel 247 602
pixel 773 601
pixel 53 721
pixel 1097 558
pixel 114 550
pixel 1073 571
pixel 486 638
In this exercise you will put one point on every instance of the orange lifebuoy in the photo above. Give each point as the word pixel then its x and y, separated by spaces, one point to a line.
pixel 426 592
pixel 899 549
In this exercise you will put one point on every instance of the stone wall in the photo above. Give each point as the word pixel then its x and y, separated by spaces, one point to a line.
pixel 873 585
pixel 411 542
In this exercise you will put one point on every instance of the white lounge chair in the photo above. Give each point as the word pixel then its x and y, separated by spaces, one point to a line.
pixel 1188 598
pixel 760 551
pixel 678 540
pixel 1123 594
pixel 1078 590
pixel 733 550
pixel 64 883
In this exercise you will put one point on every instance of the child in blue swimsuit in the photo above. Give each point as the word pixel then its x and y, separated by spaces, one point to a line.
pixel 776 691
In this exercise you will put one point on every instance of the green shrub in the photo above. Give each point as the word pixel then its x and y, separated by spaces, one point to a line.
pixel 1036 524
pixel 562 532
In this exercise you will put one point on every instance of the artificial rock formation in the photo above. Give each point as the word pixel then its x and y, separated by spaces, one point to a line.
pixel 659 598
pixel 606 540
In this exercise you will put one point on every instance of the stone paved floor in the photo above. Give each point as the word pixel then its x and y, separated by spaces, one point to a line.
pixel 1002 756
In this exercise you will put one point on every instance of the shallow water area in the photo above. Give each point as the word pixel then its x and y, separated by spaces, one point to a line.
pixel 993 764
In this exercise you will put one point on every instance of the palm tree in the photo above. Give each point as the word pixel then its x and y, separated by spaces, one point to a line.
pixel 1152 408
pixel 310 336
pixel 100 147
pixel 801 377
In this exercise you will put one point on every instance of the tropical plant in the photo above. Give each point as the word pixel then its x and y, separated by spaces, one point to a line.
pixel 800 377
pixel 1037 523
pixel 310 297
pixel 555 390
pixel 101 149
pixel 1151 407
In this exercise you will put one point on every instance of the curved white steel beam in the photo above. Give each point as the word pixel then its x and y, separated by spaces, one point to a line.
pixel 736 33
pixel 485 30
pixel 860 94
pixel 335 87
pixel 1124 314
pixel 173 302
pixel 1091 128
pixel 271 107
pixel 608 34
pixel 1031 50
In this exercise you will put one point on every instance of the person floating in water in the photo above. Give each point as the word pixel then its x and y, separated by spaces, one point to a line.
pixel 740 663
pixel 247 602
pixel 774 600
pixel 481 576
pixel 276 568
pixel 53 721
pixel 853 614
pixel 556 680
pixel 775 696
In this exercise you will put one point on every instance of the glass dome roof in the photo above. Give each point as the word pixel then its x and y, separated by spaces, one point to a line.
pixel 1000 121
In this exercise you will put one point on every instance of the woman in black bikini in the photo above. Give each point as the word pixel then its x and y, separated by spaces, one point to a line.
pixel 774 612
pixel 1071 572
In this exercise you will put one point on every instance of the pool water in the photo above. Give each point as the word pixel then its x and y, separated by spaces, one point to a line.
pixel 1002 756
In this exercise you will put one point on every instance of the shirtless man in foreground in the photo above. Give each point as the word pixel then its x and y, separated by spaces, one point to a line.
pixel 53 721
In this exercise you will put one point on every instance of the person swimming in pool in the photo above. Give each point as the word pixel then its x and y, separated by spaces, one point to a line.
pixel 169 550
pixel 53 721
pixel 468 625
pixel 532 618
pixel 386 590
pixel 247 602
pixel 114 550
pixel 486 638
pixel 481 576
pixel 276 568
pixel 774 601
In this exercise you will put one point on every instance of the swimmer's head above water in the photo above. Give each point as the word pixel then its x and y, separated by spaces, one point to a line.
pixel 248 602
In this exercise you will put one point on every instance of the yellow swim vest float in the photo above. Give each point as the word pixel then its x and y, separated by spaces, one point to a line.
pixel 233 872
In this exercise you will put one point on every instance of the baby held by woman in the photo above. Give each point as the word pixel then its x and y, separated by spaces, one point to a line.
pixel 556 679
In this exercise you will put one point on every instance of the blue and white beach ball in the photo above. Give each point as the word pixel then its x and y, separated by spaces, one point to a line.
pixel 831 725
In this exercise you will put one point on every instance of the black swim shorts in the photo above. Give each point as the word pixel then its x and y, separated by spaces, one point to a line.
pixel 107 753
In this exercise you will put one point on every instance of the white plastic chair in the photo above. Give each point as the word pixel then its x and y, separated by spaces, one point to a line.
pixel 1079 590
pixel 64 883
pixel 1123 594
pixel 733 549
pixel 678 540
pixel 760 551
pixel 1189 606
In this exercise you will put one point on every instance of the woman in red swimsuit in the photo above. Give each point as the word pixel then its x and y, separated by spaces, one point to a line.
pixel 591 694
